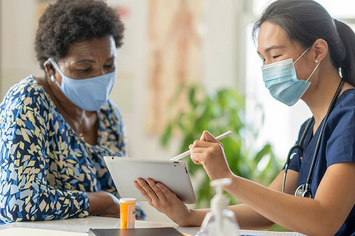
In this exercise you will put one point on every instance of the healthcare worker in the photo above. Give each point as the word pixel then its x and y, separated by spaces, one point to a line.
pixel 309 55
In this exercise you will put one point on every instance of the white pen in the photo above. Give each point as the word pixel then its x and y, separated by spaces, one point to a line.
pixel 184 154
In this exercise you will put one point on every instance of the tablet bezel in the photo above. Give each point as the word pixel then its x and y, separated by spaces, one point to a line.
pixel 173 174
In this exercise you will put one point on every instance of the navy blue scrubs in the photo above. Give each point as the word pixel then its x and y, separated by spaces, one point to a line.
pixel 337 145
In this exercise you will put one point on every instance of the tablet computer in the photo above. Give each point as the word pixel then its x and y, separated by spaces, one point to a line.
pixel 173 174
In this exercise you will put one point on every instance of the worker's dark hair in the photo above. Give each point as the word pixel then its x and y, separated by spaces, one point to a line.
pixel 305 21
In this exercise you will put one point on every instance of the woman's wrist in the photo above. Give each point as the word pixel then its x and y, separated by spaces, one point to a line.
pixel 93 203
pixel 99 202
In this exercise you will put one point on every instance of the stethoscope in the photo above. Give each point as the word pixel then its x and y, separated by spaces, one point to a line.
pixel 303 190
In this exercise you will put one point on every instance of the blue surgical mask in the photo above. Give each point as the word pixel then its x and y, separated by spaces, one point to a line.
pixel 280 79
pixel 89 94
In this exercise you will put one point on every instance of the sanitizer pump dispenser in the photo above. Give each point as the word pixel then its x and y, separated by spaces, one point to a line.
pixel 220 221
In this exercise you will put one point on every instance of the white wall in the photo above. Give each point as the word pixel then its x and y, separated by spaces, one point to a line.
pixel 17 37
pixel 219 69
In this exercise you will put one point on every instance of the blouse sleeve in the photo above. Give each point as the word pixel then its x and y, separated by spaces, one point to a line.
pixel 118 127
pixel 124 141
pixel 24 192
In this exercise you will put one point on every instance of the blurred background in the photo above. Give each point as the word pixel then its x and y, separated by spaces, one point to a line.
pixel 181 57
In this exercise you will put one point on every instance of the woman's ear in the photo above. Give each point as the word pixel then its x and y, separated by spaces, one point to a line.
pixel 49 68
pixel 320 50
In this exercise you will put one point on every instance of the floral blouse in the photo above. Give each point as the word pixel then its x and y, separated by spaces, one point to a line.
pixel 45 167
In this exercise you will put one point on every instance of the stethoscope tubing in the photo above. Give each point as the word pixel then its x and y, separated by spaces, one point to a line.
pixel 321 132
pixel 299 145
pixel 291 153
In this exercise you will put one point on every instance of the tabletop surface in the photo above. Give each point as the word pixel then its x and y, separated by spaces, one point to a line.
pixel 81 226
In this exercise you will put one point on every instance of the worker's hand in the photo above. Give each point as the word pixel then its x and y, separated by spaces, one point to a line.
pixel 165 201
pixel 103 204
pixel 209 153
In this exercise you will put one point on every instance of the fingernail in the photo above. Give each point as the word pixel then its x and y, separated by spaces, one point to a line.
pixel 190 146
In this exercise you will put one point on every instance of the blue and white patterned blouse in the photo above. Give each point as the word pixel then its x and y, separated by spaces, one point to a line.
pixel 45 168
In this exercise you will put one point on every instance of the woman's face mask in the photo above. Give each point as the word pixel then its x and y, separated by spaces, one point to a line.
pixel 89 94
pixel 281 80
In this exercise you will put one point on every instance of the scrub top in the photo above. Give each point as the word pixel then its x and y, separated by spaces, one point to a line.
pixel 337 145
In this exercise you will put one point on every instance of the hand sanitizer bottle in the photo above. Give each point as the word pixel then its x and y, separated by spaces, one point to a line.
pixel 220 221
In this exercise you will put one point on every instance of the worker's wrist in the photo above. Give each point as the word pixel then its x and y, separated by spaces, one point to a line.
pixel 187 220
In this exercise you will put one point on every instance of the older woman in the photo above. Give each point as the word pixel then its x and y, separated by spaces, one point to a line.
pixel 55 129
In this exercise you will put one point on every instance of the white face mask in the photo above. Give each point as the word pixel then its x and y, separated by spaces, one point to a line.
pixel 89 94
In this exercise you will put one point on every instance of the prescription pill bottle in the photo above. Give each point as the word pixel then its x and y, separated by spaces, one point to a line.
pixel 128 212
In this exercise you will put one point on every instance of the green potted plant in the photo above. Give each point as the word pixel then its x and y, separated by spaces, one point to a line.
pixel 219 112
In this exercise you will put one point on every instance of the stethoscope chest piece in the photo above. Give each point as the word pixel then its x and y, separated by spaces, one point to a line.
pixel 303 191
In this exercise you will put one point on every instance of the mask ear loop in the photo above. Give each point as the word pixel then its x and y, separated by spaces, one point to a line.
pixel 301 55
pixel 313 71
pixel 314 68
pixel 52 76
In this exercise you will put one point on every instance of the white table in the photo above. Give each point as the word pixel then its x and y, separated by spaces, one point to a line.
pixel 80 227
